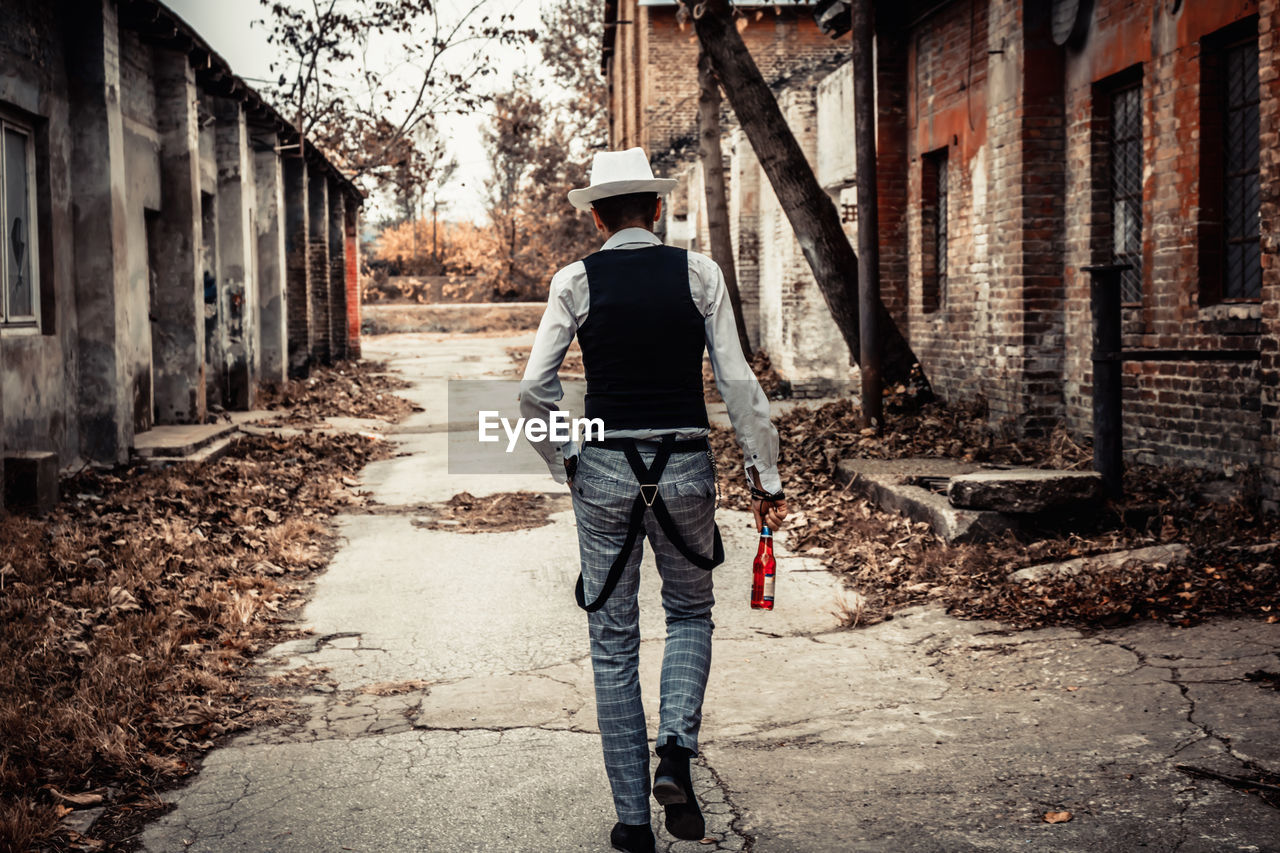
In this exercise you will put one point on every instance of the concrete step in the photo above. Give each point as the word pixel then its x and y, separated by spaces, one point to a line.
pixel 180 440
pixel 213 450
pixel 891 485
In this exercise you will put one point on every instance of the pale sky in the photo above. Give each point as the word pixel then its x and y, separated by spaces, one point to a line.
pixel 226 26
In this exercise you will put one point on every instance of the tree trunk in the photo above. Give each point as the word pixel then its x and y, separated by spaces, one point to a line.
pixel 435 219
pixel 809 209
pixel 717 203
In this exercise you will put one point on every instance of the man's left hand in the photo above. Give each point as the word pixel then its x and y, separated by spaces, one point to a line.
pixel 772 513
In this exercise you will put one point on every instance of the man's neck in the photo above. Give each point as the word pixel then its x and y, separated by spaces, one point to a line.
pixel 610 234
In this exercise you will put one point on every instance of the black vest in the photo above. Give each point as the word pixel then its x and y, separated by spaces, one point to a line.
pixel 643 340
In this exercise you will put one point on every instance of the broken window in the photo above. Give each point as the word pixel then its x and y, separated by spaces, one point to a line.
pixel 1125 187
pixel 1241 219
pixel 18 299
pixel 933 229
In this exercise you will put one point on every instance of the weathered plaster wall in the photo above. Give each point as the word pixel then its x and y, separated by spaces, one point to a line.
pixel 237 243
pixel 178 336
pixel 143 183
pixel 37 372
pixel 270 255
pixel 802 339
pixel 744 214
pixel 836 153
pixel 142 195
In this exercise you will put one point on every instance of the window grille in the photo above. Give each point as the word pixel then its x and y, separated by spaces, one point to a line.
pixel 1126 188
pixel 19 303
pixel 1242 273
pixel 933 216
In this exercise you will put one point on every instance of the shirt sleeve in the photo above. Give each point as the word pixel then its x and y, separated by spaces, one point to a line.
pixel 540 388
pixel 748 406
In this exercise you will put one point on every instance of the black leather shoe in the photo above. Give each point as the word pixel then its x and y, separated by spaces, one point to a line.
pixel 631 838
pixel 673 788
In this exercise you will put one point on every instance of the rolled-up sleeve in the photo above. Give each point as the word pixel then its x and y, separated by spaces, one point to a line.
pixel 540 389
pixel 745 399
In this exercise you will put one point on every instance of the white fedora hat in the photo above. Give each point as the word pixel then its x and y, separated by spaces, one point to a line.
pixel 619 173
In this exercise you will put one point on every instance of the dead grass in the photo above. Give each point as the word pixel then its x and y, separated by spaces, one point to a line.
pixel 128 617
pixel 891 562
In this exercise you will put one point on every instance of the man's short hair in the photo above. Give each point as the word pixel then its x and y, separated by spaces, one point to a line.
pixel 619 211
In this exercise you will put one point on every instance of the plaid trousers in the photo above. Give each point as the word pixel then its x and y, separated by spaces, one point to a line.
pixel 604 489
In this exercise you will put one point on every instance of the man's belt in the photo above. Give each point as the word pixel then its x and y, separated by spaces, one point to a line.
pixel 649 498
pixel 690 445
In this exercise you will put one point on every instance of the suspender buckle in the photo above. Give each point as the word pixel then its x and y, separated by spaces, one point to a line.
pixel 649 493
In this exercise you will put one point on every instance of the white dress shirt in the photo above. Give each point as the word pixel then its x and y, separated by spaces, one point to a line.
pixel 567 308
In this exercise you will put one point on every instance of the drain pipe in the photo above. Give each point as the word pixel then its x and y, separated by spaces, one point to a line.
pixel 864 130
pixel 1104 304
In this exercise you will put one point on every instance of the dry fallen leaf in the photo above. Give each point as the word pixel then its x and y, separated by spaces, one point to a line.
pixel 1057 817
pixel 88 798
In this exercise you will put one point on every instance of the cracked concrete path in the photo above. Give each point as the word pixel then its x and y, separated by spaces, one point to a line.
pixel 924 733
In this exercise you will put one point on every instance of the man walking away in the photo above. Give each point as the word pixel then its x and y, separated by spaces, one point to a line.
pixel 643 314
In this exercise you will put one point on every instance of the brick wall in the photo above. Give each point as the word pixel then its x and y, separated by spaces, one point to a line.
pixel 1024 124
pixel 933 87
pixel 337 275
pixel 654 79
pixel 318 266
pixel 1028 206
pixel 892 173
pixel 1205 414
pixel 1269 127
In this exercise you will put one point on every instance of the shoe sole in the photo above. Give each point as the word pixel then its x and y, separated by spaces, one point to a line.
pixel 667 792
pixel 688 826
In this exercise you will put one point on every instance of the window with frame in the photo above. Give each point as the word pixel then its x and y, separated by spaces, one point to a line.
pixel 19 275
pixel 933 229
pixel 1241 183
pixel 1230 181
pixel 1124 187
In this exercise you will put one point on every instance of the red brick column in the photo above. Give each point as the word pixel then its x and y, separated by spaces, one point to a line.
pixel 351 256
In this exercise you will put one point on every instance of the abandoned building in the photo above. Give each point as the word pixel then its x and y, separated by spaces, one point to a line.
pixel 169 241
pixel 1018 143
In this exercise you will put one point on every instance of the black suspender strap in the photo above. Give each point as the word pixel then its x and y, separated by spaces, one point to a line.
pixel 649 498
